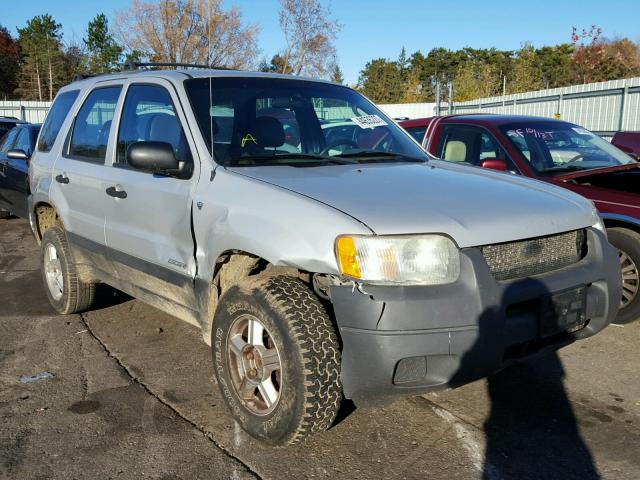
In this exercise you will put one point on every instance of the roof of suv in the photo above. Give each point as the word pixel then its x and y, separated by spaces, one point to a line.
pixel 182 73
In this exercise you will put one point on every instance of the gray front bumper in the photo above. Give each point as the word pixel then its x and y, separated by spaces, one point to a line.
pixel 400 341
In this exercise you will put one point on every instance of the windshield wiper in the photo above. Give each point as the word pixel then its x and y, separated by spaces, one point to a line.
pixel 276 159
pixel 369 155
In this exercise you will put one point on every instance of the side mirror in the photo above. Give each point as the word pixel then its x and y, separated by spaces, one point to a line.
pixel 494 164
pixel 18 154
pixel 155 157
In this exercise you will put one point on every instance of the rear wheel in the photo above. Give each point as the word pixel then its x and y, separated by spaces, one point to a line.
pixel 277 359
pixel 628 244
pixel 66 292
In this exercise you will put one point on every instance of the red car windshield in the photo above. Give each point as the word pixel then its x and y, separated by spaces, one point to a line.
pixel 556 147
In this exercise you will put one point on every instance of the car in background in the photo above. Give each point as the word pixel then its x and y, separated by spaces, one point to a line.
pixel 557 152
pixel 628 142
pixel 7 123
pixel 16 149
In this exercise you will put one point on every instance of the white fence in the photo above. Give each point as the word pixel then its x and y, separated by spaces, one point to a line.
pixel 603 107
pixel 29 111
pixel 408 110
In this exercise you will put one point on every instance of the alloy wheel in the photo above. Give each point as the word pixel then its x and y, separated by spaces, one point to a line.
pixel 255 365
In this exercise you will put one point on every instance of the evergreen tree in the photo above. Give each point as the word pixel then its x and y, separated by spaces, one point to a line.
pixel 104 52
pixel 42 69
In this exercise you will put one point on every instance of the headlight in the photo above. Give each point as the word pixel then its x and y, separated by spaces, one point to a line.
pixel 599 223
pixel 406 259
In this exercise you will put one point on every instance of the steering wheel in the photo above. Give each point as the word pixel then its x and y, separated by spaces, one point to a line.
pixel 337 143
pixel 576 158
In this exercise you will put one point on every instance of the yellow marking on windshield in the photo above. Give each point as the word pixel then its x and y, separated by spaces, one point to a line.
pixel 248 138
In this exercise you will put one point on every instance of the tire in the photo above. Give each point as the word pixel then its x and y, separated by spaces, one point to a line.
pixel 65 291
pixel 4 214
pixel 298 329
pixel 628 243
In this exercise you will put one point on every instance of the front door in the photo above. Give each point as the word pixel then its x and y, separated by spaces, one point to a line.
pixel 148 216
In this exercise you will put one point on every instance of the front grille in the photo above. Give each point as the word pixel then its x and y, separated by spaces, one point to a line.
pixel 535 256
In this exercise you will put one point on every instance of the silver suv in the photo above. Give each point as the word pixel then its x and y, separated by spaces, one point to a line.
pixel 321 252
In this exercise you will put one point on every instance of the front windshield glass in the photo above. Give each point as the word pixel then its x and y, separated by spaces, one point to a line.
pixel 558 147
pixel 271 121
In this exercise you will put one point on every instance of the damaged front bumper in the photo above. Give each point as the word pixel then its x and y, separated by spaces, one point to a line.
pixel 407 340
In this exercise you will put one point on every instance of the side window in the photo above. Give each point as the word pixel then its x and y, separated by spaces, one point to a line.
pixel 456 144
pixel 470 145
pixel 93 123
pixel 488 147
pixel 55 118
pixel 9 139
pixel 149 115
pixel 417 133
pixel 24 141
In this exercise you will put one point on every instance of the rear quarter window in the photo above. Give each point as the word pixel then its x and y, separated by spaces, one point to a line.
pixel 55 118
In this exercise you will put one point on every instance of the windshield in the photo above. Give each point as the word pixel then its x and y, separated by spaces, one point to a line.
pixel 558 147
pixel 267 121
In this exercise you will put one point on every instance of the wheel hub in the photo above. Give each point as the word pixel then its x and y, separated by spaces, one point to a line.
pixel 53 272
pixel 630 279
pixel 254 365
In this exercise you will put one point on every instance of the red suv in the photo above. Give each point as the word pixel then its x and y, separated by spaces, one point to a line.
pixel 556 152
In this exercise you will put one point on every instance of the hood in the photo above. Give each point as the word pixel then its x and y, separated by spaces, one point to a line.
pixel 597 171
pixel 472 205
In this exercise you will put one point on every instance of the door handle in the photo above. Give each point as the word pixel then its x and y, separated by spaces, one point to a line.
pixel 62 179
pixel 112 192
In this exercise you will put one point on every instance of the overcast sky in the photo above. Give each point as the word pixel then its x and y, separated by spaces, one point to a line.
pixel 377 28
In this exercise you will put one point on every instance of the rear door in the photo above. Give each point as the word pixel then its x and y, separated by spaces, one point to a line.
pixel 76 189
pixel 148 216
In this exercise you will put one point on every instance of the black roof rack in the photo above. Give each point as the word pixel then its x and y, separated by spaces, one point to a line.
pixel 133 66
pixel 136 65
pixel 81 76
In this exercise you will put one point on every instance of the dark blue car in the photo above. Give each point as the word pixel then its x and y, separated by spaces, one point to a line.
pixel 16 149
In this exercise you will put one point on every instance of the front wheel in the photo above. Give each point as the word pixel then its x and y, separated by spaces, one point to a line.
pixel 628 244
pixel 277 360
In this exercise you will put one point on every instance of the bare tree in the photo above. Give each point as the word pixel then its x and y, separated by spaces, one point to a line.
pixel 309 34
pixel 179 31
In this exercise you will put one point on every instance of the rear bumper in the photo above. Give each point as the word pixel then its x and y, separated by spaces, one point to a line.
pixel 400 341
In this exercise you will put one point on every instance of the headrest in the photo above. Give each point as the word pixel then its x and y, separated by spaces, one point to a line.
pixel 164 128
pixel 268 132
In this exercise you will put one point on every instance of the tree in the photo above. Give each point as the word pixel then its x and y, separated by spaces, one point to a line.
pixel 42 69
pixel 556 65
pixel 9 63
pixel 104 52
pixel 413 89
pixel 336 75
pixel 526 75
pixel 309 35
pixel 188 31
pixel 380 81
pixel 277 65
pixel 622 59
pixel 475 79
pixel 589 55
pixel 74 61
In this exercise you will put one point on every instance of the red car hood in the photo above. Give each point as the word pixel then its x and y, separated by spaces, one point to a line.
pixel 595 171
